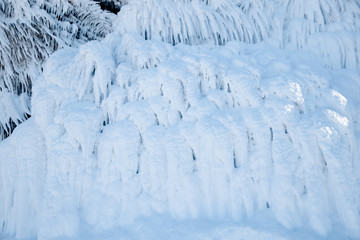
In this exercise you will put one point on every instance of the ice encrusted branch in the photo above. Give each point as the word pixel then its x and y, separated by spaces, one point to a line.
pixel 328 28
pixel 30 31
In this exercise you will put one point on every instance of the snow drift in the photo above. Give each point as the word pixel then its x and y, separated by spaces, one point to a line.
pixel 129 127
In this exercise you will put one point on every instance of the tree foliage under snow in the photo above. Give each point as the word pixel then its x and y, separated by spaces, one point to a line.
pixel 29 32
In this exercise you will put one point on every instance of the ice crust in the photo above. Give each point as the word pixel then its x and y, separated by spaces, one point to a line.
pixel 126 127
pixel 119 132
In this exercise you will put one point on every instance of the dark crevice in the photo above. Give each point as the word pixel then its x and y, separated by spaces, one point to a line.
pixel 193 154
pixel 109 6
pixel 8 129
pixel 234 159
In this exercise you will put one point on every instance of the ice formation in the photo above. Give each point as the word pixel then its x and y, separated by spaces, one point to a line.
pixel 328 28
pixel 150 121
pixel 30 30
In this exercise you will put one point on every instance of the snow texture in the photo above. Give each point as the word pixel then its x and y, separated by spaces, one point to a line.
pixel 330 29
pixel 141 124
pixel 29 32
pixel 191 131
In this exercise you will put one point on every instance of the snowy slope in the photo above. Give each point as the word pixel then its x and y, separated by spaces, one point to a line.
pixel 127 128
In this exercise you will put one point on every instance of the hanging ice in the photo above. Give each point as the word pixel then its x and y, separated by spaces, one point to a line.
pixel 141 123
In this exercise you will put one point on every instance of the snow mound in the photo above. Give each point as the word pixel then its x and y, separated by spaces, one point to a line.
pixel 126 128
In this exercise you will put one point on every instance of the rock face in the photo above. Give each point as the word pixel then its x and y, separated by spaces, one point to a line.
pixel 145 123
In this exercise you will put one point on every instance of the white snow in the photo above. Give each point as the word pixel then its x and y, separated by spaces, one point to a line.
pixel 132 138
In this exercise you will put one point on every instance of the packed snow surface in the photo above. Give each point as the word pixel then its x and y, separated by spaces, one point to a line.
pixel 128 128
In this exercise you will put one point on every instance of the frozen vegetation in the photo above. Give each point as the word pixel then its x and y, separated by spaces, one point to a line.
pixel 240 116
pixel 30 30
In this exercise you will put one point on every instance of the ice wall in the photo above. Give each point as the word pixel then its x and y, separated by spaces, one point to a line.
pixel 126 127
